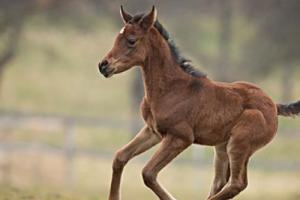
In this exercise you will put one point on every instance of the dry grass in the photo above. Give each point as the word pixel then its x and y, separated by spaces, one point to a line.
pixel 44 176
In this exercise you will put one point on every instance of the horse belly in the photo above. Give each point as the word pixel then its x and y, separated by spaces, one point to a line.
pixel 210 137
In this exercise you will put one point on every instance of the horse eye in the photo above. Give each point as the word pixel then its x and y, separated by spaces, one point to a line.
pixel 131 42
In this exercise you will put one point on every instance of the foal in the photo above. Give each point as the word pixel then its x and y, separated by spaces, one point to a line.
pixel 182 106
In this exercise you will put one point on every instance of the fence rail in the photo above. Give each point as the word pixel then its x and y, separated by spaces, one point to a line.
pixel 69 150
pixel 51 122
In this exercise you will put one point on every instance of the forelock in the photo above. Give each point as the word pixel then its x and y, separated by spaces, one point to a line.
pixel 136 18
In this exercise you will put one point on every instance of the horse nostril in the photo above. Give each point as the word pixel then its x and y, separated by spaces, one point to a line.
pixel 104 63
pixel 103 66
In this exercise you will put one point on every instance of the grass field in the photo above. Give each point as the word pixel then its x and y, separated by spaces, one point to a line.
pixel 185 181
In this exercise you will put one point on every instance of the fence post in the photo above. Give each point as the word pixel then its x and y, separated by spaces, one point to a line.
pixel 69 149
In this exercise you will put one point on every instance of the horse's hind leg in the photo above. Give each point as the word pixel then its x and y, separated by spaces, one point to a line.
pixel 222 170
pixel 238 158
pixel 247 136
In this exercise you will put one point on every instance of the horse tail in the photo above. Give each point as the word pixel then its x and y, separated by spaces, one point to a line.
pixel 288 110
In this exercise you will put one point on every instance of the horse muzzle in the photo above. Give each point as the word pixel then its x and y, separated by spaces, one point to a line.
pixel 105 70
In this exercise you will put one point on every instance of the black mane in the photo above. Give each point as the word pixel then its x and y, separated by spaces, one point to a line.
pixel 184 63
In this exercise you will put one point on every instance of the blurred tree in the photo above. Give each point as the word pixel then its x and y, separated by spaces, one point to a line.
pixel 207 32
pixel 225 28
pixel 14 13
pixel 11 24
pixel 276 42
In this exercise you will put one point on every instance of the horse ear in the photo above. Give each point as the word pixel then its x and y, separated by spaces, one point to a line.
pixel 148 20
pixel 125 15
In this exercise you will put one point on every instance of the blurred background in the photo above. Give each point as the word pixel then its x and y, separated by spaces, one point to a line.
pixel 61 122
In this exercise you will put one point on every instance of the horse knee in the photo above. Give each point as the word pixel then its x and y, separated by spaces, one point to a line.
pixel 243 185
pixel 238 186
pixel 119 161
pixel 149 177
pixel 219 185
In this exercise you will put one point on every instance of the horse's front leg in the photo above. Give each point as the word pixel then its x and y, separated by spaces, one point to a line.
pixel 172 145
pixel 143 141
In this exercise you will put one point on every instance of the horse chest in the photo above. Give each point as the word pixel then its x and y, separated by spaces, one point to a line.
pixel 152 119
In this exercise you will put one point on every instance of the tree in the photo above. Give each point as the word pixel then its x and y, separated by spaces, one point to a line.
pixel 11 25
pixel 225 28
pixel 276 42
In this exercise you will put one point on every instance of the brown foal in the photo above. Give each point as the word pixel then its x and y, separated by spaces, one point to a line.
pixel 182 106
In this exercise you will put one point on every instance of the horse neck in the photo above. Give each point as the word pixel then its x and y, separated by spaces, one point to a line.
pixel 160 70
